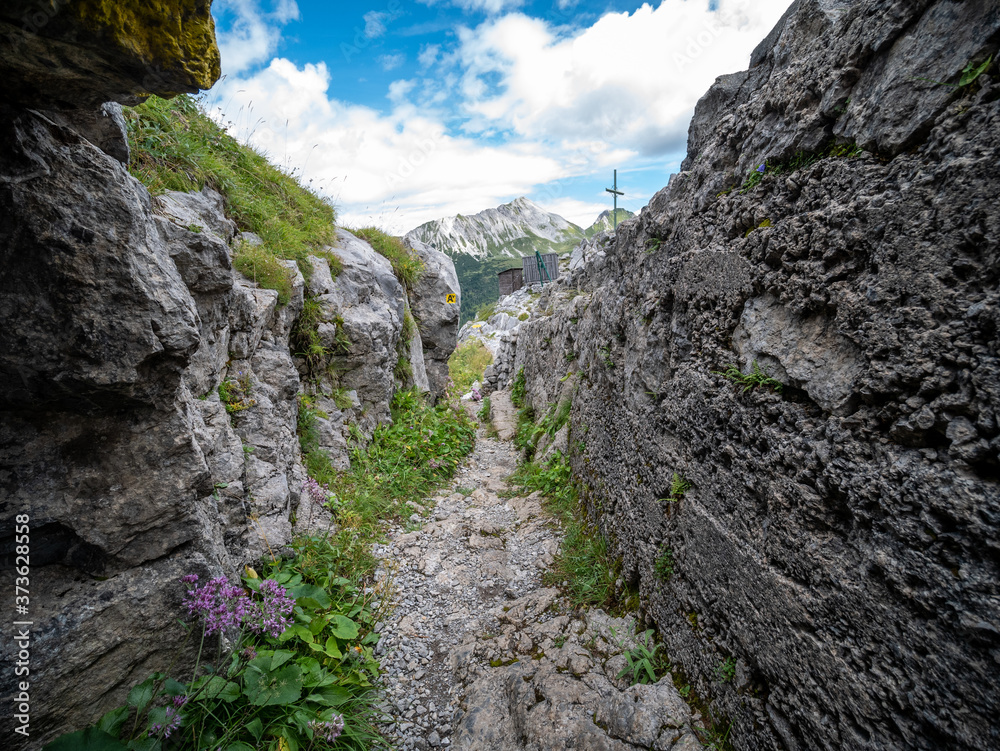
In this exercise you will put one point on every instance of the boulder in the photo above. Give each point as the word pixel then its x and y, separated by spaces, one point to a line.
pixel 436 304
pixel 361 320
pixel 79 54
pixel 118 327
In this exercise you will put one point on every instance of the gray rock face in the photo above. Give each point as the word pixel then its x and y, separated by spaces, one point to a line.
pixel 362 317
pixel 839 540
pixel 118 325
pixel 436 317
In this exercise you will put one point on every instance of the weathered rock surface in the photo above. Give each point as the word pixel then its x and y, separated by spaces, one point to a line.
pixel 80 53
pixel 839 540
pixel 479 656
pixel 362 317
pixel 118 327
pixel 436 313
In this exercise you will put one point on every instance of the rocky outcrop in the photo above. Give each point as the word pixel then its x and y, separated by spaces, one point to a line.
pixel 361 317
pixel 78 54
pixel 435 302
pixel 148 400
pixel 837 546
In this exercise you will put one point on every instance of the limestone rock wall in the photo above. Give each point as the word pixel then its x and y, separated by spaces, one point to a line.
pixel 119 324
pixel 435 302
pixel 839 545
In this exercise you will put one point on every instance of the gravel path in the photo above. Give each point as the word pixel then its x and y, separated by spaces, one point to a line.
pixel 476 647
pixel 474 551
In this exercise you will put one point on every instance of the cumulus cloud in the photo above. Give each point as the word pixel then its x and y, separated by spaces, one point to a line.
pixel 253 34
pixel 630 79
pixel 369 161
pixel 512 108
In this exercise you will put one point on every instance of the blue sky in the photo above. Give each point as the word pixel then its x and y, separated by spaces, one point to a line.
pixel 406 111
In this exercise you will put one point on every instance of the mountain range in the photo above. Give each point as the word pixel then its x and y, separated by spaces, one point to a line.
pixel 483 244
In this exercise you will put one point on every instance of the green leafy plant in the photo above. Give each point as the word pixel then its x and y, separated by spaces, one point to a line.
pixel 653 244
pixel 640 660
pixel 971 71
pixel 756 378
pixel 234 393
pixel 664 566
pixel 524 316
pixel 518 389
pixel 293 666
pixel 484 411
pixel 726 670
pixel 678 487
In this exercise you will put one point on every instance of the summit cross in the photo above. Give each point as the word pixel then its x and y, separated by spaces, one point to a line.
pixel 615 192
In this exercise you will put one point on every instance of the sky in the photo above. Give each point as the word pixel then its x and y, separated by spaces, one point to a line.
pixel 404 111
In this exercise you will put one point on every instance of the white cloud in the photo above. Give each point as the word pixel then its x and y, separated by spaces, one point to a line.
pixel 254 34
pixel 375 23
pixel 482 6
pixel 428 55
pixel 391 62
pixel 630 79
pixel 527 105
pixel 366 160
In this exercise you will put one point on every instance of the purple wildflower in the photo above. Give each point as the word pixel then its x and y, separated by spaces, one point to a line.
pixel 249 653
pixel 271 615
pixel 476 396
pixel 221 605
pixel 171 720
pixel 762 167
pixel 319 494
pixel 189 578
pixel 328 731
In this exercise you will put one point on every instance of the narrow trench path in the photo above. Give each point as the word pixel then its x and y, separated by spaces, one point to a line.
pixel 478 654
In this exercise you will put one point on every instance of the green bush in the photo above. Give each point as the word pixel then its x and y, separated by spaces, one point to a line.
pixel 295 666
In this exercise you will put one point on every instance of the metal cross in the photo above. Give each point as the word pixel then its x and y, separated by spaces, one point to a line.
pixel 615 192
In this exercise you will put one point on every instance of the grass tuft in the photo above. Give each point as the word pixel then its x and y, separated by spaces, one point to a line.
pixel 176 146
pixel 584 560
pixel 468 363
pixel 406 264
